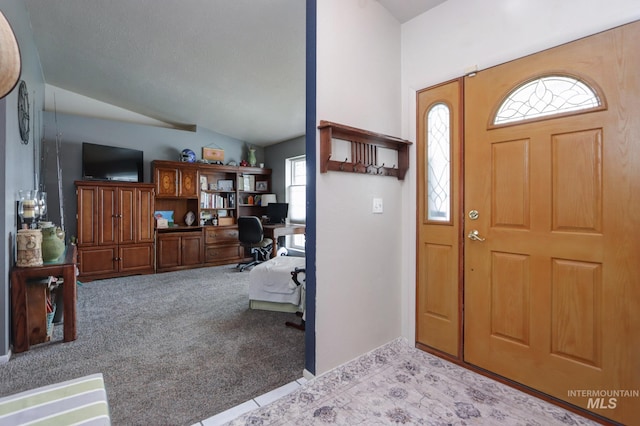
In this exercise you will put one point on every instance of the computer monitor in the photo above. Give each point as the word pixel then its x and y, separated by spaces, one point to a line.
pixel 277 212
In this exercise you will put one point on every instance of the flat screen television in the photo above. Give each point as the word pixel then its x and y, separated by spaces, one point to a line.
pixel 102 162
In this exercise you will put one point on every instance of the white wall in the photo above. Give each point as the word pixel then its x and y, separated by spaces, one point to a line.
pixel 444 42
pixel 358 258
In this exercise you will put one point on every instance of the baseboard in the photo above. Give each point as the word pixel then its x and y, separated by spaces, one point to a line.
pixel 307 374
pixel 5 358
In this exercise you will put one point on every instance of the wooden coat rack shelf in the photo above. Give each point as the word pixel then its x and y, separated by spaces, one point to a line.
pixel 364 151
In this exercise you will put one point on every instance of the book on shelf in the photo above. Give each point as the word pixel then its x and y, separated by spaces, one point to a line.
pixel 216 201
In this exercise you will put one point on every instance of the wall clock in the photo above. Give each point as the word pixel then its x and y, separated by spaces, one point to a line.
pixel 23 112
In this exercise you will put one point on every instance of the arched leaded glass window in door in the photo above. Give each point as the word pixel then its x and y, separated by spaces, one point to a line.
pixel 439 163
pixel 547 96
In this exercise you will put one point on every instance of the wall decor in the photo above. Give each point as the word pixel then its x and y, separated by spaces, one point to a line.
pixel 23 112
pixel 213 154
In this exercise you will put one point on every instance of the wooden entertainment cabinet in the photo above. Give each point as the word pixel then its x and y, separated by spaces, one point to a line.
pixel 207 191
pixel 115 229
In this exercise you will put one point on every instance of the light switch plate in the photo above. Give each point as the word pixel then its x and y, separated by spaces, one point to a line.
pixel 377 205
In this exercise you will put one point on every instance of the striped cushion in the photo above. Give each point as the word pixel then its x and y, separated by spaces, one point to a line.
pixel 81 401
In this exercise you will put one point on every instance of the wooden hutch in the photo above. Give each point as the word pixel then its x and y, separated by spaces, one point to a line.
pixel 203 192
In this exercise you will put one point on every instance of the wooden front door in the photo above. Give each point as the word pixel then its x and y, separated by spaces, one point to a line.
pixel 552 280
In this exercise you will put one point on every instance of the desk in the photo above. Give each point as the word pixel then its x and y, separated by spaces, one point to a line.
pixel 275 231
pixel 65 267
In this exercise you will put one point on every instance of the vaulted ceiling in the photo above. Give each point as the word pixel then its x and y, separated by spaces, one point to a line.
pixel 236 67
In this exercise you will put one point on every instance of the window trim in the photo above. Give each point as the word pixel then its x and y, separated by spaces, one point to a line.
pixel 289 166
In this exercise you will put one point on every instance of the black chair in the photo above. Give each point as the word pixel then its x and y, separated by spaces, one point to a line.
pixel 251 234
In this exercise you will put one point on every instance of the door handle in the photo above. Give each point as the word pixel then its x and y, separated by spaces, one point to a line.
pixel 475 235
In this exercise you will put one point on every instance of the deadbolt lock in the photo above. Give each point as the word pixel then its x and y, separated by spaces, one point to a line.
pixel 473 214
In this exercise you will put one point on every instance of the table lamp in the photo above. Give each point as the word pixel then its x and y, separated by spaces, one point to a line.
pixel 267 198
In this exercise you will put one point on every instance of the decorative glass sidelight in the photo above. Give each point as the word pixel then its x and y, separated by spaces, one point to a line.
pixel 439 163
pixel 546 96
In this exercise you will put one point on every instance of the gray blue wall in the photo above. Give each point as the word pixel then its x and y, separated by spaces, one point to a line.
pixel 18 162
pixel 157 143
pixel 275 156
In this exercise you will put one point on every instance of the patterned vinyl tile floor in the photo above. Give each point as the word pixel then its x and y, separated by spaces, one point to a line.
pixel 398 384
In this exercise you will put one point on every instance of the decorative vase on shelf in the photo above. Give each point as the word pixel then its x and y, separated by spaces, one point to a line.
pixel 189 218
pixel 252 157
pixel 52 243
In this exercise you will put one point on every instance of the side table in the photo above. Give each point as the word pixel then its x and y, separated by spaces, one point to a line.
pixel 65 267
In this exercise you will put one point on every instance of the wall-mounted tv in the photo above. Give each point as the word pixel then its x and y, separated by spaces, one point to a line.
pixel 102 162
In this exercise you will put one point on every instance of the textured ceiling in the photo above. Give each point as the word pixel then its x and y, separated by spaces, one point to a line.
pixel 236 67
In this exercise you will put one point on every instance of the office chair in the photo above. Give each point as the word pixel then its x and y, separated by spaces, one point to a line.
pixel 251 234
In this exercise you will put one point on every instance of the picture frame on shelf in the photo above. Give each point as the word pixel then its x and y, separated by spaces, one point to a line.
pixel 249 183
pixel 164 217
pixel 225 185
pixel 262 185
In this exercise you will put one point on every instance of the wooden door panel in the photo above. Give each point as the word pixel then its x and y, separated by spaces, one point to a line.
pixel 136 258
pixel 87 216
pixel 510 184
pixel 576 309
pixel 189 183
pixel 438 304
pixel 107 215
pixel 552 293
pixel 169 251
pixel 510 297
pixel 192 250
pixel 577 181
pixel 97 261
pixel 127 213
pixel 167 182
pixel 144 217
pixel 437 265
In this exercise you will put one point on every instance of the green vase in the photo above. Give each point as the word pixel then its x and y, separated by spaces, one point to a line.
pixel 52 243
pixel 252 157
